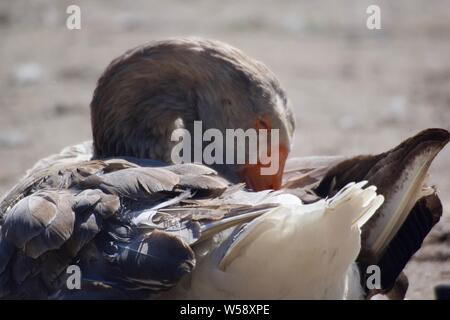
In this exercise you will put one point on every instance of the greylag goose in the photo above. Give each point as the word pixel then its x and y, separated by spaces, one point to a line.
pixel 135 227
pixel 127 222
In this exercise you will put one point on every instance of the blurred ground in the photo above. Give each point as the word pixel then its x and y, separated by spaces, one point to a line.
pixel 354 90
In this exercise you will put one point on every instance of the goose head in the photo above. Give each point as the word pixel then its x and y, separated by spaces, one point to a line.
pixel 152 90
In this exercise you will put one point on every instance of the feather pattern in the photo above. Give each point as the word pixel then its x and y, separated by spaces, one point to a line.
pixel 129 228
pixel 302 251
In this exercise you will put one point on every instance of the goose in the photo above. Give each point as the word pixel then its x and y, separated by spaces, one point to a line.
pixel 103 205
pixel 136 224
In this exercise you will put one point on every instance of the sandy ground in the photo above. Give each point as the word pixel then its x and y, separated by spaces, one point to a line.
pixel 354 90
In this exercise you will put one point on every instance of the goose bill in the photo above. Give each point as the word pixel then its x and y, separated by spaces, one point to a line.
pixel 253 176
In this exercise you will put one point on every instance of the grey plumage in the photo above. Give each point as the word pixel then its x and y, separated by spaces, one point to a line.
pixel 85 214
pixel 102 204
pixel 153 89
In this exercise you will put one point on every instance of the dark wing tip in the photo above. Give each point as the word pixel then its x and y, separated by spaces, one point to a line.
pixel 433 134
pixel 408 240
pixel 392 162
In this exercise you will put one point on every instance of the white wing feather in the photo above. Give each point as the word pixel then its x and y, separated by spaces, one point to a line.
pixel 295 251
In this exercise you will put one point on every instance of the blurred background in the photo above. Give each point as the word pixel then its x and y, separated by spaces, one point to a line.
pixel 354 90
